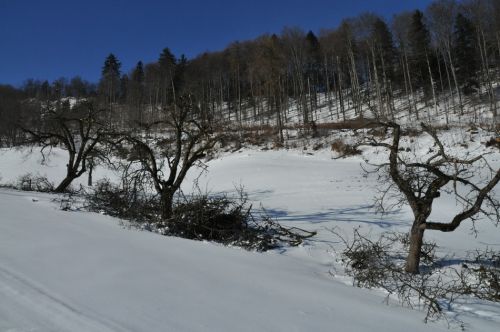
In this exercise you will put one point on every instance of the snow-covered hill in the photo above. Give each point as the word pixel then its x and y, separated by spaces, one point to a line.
pixel 77 271
pixel 63 271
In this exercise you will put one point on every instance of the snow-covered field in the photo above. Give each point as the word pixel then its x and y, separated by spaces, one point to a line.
pixel 76 271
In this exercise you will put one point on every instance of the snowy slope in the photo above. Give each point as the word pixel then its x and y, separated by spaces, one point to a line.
pixel 73 271
pixel 64 271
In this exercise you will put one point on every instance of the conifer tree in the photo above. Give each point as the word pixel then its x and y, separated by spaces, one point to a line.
pixel 167 59
pixel 180 70
pixel 419 44
pixel 166 64
pixel 138 73
pixel 313 50
pixel 124 86
pixel 109 85
pixel 465 53
pixel 385 47
pixel 136 92
pixel 313 67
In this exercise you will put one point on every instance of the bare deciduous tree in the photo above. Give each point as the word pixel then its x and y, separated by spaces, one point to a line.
pixel 421 181
pixel 185 140
pixel 77 129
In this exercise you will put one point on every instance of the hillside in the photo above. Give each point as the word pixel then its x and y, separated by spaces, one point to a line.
pixel 82 271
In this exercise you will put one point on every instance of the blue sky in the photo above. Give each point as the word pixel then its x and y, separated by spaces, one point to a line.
pixel 47 39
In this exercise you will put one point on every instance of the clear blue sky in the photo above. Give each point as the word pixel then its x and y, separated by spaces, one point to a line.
pixel 47 39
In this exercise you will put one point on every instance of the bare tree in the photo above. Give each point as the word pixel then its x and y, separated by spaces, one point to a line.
pixel 184 140
pixel 421 180
pixel 441 17
pixel 77 129
pixel 294 43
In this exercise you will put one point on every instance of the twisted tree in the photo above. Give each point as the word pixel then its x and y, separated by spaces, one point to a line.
pixel 421 180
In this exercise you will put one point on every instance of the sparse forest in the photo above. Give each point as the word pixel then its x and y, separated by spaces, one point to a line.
pixel 445 59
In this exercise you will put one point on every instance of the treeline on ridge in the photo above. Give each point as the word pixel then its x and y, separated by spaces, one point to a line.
pixel 367 66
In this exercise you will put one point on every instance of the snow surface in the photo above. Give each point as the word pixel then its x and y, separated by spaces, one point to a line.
pixel 75 271
pixel 64 271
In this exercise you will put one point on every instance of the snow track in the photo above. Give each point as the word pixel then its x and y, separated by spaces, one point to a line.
pixel 39 310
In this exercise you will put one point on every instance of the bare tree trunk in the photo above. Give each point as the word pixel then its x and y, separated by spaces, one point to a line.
pixel 254 102
pixel 387 86
pixel 91 169
pixel 65 183
pixel 327 87
pixel 340 97
pixel 485 65
pixel 498 43
pixel 442 88
pixel 415 250
pixel 455 81
pixel 167 202
pixel 309 98
pixel 381 108
pixel 71 172
pixel 278 110
pixel 407 92
pixel 432 83
pixel 410 85
pixel 355 89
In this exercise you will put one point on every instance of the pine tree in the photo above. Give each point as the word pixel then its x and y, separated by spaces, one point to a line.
pixel 465 53
pixel 419 45
pixel 124 86
pixel 138 73
pixel 136 91
pixel 167 59
pixel 167 63
pixel 180 70
pixel 313 48
pixel 313 57
pixel 109 85
pixel 385 47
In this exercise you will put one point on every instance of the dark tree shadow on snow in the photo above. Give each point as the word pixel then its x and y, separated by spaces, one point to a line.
pixel 362 214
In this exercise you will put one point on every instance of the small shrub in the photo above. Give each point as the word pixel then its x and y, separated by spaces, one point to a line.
pixel 379 264
pixel 277 145
pixel 229 221
pixel 380 132
pixel 126 202
pixel 343 149
pixel 412 132
pixel 317 146
pixel 354 124
pixel 221 219
pixel 258 135
pixel 480 275
pixel 493 142
pixel 30 182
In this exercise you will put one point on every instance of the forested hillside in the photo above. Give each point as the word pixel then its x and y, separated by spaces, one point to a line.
pixel 442 64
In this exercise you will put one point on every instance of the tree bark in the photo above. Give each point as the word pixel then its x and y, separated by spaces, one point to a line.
pixel 167 202
pixel 65 183
pixel 415 250
pixel 91 169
